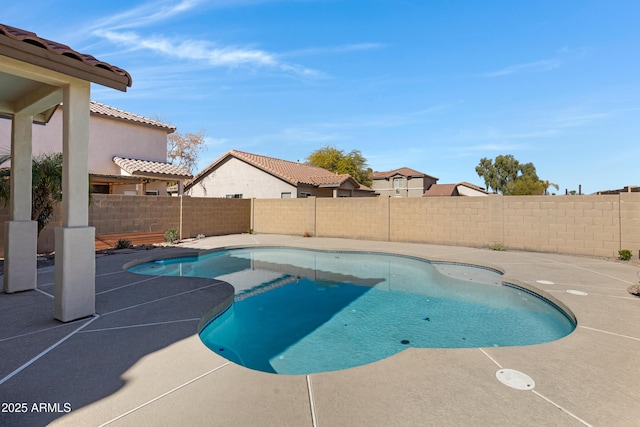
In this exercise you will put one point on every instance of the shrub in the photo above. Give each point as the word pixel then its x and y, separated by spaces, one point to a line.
pixel 171 235
pixel 624 254
pixel 497 247
pixel 250 230
pixel 123 244
pixel 306 234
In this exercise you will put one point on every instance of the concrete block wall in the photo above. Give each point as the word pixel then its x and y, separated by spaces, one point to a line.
pixel 116 214
pixel 284 216
pixel 630 222
pixel 353 217
pixel 119 214
pixel 577 225
pixel 214 217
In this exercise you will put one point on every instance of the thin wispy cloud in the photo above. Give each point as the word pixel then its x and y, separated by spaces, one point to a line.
pixel 118 29
pixel 530 67
pixel 144 15
pixel 330 50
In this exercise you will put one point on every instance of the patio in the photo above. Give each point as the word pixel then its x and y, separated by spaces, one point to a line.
pixel 139 361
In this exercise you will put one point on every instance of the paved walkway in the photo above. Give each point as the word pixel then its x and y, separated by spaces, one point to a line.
pixel 139 361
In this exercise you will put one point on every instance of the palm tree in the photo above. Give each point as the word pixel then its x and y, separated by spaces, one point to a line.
pixel 46 186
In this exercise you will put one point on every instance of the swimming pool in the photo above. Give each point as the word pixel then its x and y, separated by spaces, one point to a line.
pixel 299 311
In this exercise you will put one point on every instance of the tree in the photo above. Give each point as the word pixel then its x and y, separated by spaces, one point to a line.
pixel 508 176
pixel 335 160
pixel 46 186
pixel 184 150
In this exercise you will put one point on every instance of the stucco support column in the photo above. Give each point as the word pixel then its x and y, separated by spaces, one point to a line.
pixel 21 234
pixel 75 266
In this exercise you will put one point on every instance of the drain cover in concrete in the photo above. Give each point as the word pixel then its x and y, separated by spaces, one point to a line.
pixel 515 379
pixel 573 292
pixel 545 282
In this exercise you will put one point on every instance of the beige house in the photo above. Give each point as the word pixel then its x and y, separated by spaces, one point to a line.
pixel 460 189
pixel 127 152
pixel 244 175
pixel 402 182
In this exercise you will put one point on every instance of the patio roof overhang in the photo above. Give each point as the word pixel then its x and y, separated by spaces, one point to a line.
pixel 36 75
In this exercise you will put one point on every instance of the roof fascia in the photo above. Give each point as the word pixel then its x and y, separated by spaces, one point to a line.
pixel 34 55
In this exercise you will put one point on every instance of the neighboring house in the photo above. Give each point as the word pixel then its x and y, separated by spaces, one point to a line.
pixel 244 175
pixel 127 152
pixel 627 189
pixel 460 189
pixel 403 182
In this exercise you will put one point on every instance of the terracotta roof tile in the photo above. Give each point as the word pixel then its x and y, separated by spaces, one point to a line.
pixel 60 49
pixel 404 171
pixel 440 190
pixel 105 110
pixel 148 167
pixel 292 172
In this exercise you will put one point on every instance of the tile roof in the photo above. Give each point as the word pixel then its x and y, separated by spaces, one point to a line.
pixel 450 189
pixel 474 187
pixel 151 168
pixel 62 50
pixel 292 172
pixel 404 171
pixel 441 190
pixel 105 110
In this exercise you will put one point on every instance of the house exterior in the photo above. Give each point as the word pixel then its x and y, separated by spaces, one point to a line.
pixel 244 175
pixel 402 182
pixel 460 189
pixel 127 152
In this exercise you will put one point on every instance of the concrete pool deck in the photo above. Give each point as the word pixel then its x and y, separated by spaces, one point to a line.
pixel 140 362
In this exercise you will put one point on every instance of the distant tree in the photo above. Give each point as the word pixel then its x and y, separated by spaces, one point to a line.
pixel 46 186
pixel 184 149
pixel 508 176
pixel 335 160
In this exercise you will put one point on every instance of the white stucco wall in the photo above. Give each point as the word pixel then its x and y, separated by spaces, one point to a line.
pixel 107 138
pixel 237 177
pixel 466 191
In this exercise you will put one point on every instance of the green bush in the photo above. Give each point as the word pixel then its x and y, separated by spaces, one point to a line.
pixel 123 244
pixel 497 247
pixel 171 235
pixel 624 254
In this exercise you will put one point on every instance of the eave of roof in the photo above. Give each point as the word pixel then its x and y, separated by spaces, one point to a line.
pixel 30 48
pixel 151 169
pixel 115 113
pixel 403 171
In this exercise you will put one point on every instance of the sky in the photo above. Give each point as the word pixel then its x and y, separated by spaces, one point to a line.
pixel 432 85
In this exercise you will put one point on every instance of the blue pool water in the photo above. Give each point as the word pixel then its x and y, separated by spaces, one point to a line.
pixel 300 311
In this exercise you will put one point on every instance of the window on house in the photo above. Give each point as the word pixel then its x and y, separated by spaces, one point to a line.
pixel 234 196
pixel 397 182
pixel 100 188
pixel 286 195
pixel 304 195
pixel 152 193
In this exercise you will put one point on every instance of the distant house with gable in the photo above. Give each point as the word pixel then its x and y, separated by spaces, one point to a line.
pixel 127 152
pixel 238 174
pixel 460 189
pixel 402 182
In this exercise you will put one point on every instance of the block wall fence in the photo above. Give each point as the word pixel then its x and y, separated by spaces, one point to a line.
pixel 118 214
pixel 575 225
